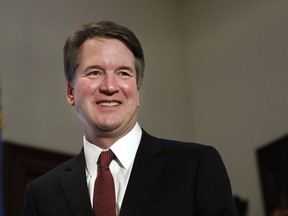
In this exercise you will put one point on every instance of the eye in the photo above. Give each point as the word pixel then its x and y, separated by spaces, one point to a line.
pixel 124 73
pixel 94 73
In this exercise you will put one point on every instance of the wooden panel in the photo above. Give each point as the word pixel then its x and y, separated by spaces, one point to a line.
pixel 21 165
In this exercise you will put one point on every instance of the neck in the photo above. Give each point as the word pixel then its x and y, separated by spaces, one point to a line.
pixel 105 139
pixel 103 142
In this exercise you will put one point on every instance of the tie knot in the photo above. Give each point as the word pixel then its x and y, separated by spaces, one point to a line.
pixel 105 159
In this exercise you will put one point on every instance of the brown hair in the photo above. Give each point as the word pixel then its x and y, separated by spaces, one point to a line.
pixel 103 29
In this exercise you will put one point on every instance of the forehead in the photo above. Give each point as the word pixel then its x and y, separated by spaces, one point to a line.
pixel 106 47
pixel 105 52
pixel 102 43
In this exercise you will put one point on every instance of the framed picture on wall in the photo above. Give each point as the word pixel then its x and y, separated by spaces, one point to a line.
pixel 273 170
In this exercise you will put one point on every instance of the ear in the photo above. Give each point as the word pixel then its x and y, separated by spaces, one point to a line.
pixel 138 102
pixel 70 94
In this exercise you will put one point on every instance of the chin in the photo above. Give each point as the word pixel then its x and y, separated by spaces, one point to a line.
pixel 109 127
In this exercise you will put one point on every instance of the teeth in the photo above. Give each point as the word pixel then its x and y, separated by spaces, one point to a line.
pixel 109 104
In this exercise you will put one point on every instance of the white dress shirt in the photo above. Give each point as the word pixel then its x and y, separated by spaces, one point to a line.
pixel 125 150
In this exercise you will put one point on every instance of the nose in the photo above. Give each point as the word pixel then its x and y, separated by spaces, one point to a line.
pixel 109 85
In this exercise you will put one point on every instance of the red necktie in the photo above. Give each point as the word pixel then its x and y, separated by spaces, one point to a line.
pixel 104 200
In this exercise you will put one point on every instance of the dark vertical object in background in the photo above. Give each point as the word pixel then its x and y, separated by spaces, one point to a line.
pixel 273 170
pixel 22 164
pixel 1 155
pixel 241 205
pixel 1 175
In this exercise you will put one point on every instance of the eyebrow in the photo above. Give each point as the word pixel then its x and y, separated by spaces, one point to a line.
pixel 93 67
pixel 101 68
pixel 126 68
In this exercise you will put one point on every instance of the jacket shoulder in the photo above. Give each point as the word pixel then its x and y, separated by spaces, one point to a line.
pixel 58 172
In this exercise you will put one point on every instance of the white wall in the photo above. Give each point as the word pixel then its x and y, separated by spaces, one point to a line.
pixel 238 53
pixel 216 73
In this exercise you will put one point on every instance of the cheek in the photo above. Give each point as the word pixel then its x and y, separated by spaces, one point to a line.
pixel 86 88
pixel 130 90
pixel 91 89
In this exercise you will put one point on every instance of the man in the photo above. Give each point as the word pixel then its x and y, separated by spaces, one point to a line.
pixel 104 66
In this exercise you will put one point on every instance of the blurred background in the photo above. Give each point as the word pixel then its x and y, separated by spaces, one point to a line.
pixel 216 74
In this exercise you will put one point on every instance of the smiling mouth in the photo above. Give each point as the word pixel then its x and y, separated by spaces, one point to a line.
pixel 108 104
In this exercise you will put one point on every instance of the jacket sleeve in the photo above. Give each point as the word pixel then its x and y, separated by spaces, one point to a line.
pixel 213 190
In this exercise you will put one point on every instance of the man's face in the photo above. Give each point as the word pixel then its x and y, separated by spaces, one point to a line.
pixel 105 92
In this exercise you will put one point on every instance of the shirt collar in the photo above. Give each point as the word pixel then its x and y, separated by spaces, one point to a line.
pixel 124 149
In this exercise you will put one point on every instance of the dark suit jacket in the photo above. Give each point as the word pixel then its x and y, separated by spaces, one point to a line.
pixel 168 178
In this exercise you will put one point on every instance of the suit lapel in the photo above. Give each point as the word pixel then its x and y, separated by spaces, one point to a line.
pixel 74 186
pixel 146 170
